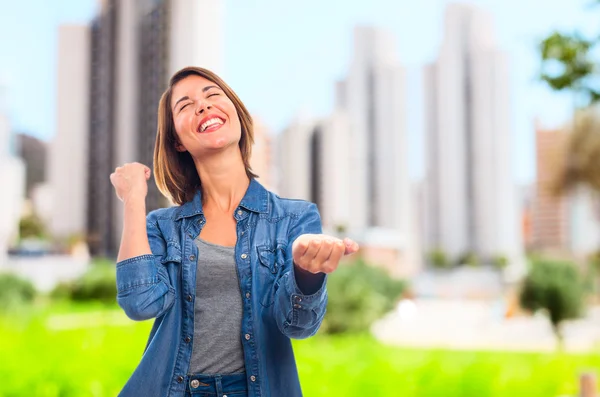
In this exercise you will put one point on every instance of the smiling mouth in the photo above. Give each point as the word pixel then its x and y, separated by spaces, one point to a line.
pixel 211 125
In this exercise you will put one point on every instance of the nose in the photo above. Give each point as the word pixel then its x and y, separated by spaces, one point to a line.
pixel 200 109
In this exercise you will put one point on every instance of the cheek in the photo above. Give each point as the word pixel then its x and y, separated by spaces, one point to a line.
pixel 181 125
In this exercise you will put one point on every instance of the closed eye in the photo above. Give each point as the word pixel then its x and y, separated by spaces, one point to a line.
pixel 216 93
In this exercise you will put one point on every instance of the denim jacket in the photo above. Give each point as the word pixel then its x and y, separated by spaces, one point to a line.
pixel 163 286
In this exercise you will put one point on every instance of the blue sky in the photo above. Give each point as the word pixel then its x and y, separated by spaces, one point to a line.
pixel 282 57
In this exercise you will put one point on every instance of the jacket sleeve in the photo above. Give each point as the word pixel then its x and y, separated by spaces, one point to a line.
pixel 144 290
pixel 300 311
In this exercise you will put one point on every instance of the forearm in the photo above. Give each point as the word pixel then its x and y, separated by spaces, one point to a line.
pixel 134 241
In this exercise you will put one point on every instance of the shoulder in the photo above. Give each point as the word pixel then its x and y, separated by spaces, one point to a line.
pixel 289 207
pixel 162 214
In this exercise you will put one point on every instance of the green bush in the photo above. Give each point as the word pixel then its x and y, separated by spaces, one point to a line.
pixel 97 284
pixel 32 227
pixel 14 291
pixel 555 287
pixel 438 259
pixel 468 259
pixel 500 261
pixel 359 294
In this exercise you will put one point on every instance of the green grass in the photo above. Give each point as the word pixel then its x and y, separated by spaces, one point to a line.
pixel 90 350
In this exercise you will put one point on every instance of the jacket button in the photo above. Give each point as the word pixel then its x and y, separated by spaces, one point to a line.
pixel 253 378
pixel 240 212
pixel 195 383
pixel 189 298
pixel 247 336
pixel 248 295
pixel 192 257
pixel 244 256
pixel 179 379
pixel 188 339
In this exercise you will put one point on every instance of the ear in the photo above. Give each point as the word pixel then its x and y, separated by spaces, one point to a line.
pixel 179 147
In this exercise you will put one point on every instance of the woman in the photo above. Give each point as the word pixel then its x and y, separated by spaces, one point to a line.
pixel 233 272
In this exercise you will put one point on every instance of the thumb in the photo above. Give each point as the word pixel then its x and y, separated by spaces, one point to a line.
pixel 351 246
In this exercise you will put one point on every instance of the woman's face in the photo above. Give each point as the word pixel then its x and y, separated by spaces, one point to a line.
pixel 205 118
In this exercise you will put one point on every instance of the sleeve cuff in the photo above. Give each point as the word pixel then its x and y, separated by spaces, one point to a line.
pixel 306 282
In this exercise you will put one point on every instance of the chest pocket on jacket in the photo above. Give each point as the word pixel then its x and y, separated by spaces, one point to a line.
pixel 271 261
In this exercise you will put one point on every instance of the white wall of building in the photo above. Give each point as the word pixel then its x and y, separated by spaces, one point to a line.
pixel 68 167
pixel 471 195
pixel 196 37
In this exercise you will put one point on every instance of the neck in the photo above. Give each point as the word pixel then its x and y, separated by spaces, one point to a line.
pixel 224 180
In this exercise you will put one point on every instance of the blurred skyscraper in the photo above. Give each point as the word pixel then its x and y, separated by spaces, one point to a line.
pixel 549 211
pixel 68 157
pixel 33 151
pixel 567 223
pixel 471 197
pixel 262 154
pixel 373 96
pixel 353 164
pixel 314 163
pixel 12 175
pixel 135 46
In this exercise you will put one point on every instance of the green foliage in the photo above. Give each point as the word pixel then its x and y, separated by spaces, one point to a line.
pixel 555 287
pixel 359 294
pixel 438 259
pixel 499 261
pixel 32 227
pixel 14 292
pixel 567 64
pixel 468 259
pixel 348 365
pixel 97 284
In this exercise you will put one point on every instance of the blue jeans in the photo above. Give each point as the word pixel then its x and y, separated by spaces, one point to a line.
pixel 199 385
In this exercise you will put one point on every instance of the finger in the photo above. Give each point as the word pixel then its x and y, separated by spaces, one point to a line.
pixel 324 252
pixel 299 249
pixel 334 259
pixel 313 248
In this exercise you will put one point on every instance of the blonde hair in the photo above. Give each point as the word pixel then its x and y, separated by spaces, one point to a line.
pixel 175 172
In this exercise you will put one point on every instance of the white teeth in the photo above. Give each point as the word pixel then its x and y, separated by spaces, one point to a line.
pixel 210 122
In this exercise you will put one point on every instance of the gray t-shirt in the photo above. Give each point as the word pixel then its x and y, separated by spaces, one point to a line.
pixel 217 345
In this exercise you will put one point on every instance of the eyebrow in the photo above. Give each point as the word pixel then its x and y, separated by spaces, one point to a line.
pixel 208 87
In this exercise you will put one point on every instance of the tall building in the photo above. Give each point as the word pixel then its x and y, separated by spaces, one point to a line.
pixel 471 197
pixel 566 223
pixel 262 154
pixel 372 96
pixel 33 151
pixel 68 156
pixel 101 137
pixel 314 165
pixel 135 47
pixel 550 221
pixel 12 175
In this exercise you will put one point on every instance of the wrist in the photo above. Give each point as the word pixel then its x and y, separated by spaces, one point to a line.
pixel 134 200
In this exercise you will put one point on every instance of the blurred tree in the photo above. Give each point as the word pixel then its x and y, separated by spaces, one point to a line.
pixel 556 288
pixel 359 294
pixel 569 63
